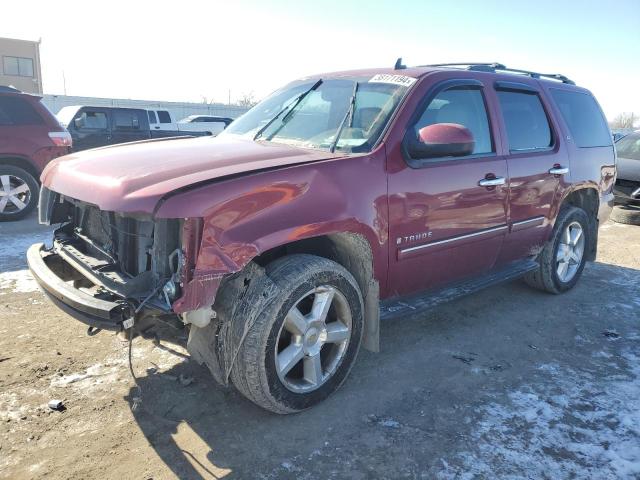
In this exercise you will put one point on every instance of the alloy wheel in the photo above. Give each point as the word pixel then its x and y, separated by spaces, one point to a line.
pixel 570 252
pixel 15 194
pixel 313 339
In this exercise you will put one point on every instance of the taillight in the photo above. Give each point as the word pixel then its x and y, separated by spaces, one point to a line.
pixel 61 139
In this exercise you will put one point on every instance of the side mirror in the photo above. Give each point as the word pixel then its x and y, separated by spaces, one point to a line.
pixel 79 122
pixel 441 140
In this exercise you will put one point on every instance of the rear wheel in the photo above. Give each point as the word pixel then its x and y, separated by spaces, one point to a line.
pixel 563 257
pixel 18 193
pixel 302 346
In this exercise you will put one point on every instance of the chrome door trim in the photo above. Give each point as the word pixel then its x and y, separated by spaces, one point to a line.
pixel 454 239
pixel 528 223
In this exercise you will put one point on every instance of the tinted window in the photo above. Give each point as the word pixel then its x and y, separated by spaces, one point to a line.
pixel 629 146
pixel 16 111
pixel 125 120
pixel 152 117
pixel 525 119
pixel 164 116
pixel 464 106
pixel 584 118
pixel 91 120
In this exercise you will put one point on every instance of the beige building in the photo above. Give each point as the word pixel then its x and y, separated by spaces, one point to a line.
pixel 20 65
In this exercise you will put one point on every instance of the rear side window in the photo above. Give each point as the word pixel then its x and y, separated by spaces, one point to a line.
pixel 152 117
pixel 584 118
pixel 526 121
pixel 629 146
pixel 17 111
pixel 125 120
pixel 164 116
pixel 464 106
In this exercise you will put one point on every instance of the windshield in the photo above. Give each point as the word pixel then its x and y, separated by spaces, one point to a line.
pixel 65 115
pixel 629 146
pixel 323 115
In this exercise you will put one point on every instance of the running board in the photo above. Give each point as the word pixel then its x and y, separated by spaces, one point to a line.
pixel 431 298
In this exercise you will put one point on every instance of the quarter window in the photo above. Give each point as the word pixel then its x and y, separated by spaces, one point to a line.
pixel 526 121
pixel 464 106
pixel 16 111
pixel 583 117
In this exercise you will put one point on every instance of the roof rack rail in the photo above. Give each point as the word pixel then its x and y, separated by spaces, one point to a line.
pixel 499 67
pixel 6 89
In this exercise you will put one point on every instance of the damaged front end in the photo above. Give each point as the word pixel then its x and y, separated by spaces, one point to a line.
pixel 106 269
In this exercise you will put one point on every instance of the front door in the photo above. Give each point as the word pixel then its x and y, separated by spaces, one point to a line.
pixel 90 128
pixel 447 216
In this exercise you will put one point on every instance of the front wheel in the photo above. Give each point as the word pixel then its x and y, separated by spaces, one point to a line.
pixel 563 257
pixel 302 346
pixel 18 193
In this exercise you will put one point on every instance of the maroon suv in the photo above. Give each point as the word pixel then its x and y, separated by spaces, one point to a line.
pixel 30 137
pixel 339 200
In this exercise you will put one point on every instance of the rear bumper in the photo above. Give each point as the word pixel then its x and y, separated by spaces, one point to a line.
pixel 53 276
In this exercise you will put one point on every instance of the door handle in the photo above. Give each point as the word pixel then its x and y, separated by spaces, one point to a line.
pixel 559 170
pixel 492 182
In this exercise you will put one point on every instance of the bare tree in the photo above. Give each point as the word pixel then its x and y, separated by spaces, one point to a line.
pixel 624 120
pixel 247 100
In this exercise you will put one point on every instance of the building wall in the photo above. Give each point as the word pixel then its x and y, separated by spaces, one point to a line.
pixel 22 49
pixel 178 110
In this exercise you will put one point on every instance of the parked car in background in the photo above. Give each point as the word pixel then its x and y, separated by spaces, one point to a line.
pixel 30 137
pixel 92 127
pixel 627 187
pixel 212 123
pixel 163 120
pixel 338 200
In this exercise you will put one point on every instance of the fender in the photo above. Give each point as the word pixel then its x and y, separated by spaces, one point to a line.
pixel 231 222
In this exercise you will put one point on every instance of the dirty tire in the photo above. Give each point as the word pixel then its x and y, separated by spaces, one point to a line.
pixel 254 373
pixel 11 212
pixel 627 214
pixel 546 276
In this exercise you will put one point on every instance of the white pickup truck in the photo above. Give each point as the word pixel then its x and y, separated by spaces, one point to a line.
pixel 163 120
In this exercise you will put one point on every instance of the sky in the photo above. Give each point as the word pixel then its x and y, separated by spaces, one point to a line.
pixel 208 50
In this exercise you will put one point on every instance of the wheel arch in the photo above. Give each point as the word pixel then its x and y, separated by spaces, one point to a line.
pixel 21 162
pixel 587 198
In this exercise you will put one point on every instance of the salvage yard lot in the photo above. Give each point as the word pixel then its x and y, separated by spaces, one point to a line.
pixel 506 382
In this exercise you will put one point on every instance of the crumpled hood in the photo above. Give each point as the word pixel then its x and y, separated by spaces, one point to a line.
pixel 133 177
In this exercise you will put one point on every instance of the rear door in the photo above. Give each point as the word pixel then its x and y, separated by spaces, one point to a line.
pixel 445 221
pixel 538 166
pixel 90 128
pixel 128 125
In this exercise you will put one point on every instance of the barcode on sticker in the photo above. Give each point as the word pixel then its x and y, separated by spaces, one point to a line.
pixel 394 79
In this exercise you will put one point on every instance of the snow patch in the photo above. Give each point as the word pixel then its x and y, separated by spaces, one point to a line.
pixel 18 281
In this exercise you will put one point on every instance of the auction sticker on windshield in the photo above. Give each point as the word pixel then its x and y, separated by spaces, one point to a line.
pixel 394 79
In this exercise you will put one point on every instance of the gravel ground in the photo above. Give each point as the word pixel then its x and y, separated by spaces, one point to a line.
pixel 507 383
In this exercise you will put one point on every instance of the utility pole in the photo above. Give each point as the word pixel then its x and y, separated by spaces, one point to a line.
pixel 64 83
pixel 229 102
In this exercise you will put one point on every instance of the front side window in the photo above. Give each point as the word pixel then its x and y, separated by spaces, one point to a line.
pixel 463 106
pixel 18 66
pixel 583 117
pixel 329 116
pixel 91 120
pixel 629 146
pixel 526 121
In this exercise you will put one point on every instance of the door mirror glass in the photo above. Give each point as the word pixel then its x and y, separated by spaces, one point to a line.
pixel 442 140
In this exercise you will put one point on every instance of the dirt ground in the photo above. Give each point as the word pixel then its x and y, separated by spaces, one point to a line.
pixel 507 383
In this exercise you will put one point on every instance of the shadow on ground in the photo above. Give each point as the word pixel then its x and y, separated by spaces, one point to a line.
pixel 411 409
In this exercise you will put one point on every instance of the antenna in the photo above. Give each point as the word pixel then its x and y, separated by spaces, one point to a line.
pixel 399 65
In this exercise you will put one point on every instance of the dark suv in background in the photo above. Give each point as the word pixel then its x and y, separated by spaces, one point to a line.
pixel 30 137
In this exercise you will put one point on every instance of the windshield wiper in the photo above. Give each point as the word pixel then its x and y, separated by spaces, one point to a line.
pixel 289 107
pixel 347 116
